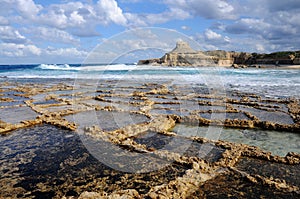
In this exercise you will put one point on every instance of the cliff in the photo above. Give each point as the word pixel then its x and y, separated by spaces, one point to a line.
pixel 184 55
pixel 181 55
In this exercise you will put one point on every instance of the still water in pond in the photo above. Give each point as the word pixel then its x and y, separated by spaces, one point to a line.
pixel 279 143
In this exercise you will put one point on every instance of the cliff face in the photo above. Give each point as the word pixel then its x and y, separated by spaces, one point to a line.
pixel 184 55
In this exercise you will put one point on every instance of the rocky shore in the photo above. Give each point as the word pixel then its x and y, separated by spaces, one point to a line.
pixel 184 55
pixel 139 119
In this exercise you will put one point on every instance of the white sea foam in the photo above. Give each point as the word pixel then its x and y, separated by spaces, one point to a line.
pixel 57 67
pixel 113 67
pixel 263 81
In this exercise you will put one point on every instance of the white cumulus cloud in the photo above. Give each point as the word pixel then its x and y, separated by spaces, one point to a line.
pixel 19 50
pixel 10 35
pixel 111 11
pixel 211 35
pixel 27 8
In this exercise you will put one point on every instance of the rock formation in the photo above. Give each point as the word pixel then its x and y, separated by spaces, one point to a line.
pixel 184 55
pixel 181 55
pixel 39 159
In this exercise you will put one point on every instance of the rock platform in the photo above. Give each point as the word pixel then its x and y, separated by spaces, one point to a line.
pixel 138 119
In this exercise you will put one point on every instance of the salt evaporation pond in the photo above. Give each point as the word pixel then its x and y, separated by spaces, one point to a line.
pixel 48 162
pixel 279 143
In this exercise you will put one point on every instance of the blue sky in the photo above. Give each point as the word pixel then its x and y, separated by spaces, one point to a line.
pixel 66 31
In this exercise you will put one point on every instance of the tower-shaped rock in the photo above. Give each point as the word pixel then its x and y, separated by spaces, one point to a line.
pixel 182 47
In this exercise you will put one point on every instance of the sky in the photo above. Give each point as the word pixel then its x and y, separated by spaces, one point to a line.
pixel 66 31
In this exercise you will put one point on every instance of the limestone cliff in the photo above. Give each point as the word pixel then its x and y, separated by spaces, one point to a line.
pixel 181 55
pixel 184 55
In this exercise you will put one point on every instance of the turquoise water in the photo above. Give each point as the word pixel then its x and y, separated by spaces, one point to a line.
pixel 279 143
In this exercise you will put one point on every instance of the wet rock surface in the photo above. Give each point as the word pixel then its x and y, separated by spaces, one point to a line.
pixel 45 161
pixel 236 185
pixel 289 173
pixel 45 127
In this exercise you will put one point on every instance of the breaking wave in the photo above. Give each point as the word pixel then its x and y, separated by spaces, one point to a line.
pixel 57 67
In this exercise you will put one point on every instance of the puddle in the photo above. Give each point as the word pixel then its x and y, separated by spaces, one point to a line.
pixel 107 120
pixel 13 103
pixel 39 97
pixel 16 100
pixel 16 115
pixel 96 102
pixel 46 102
pixel 211 108
pixel 158 100
pixel 126 107
pixel 168 112
pixel 277 117
pixel 153 140
pixel 206 151
pixel 122 100
pixel 168 106
pixel 63 108
pixel 279 143
pixel 183 146
pixel 240 116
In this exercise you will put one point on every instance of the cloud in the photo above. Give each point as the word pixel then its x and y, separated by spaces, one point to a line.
pixel 262 28
pixel 209 9
pixel 220 42
pixel 273 23
pixel 52 35
pixel 81 19
pixel 185 28
pixel 10 35
pixel 184 9
pixel 149 19
pixel 65 52
pixel 211 35
pixel 145 34
pixel 3 21
pixel 213 38
pixel 286 5
pixel 33 54
pixel 80 15
pixel 248 25
pixel 136 20
pixel 111 11
pixel 19 50
pixel 27 8
pixel 62 16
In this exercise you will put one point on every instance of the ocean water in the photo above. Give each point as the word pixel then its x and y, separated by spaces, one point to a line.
pixel 278 83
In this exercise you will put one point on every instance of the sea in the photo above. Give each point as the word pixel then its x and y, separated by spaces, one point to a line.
pixel 270 82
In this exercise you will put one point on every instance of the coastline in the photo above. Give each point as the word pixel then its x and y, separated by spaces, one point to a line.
pixel 183 55
pixel 142 119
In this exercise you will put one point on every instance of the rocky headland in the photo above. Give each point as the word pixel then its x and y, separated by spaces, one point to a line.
pixel 184 55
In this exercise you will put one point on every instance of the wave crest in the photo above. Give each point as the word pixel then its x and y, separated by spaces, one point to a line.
pixel 57 67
